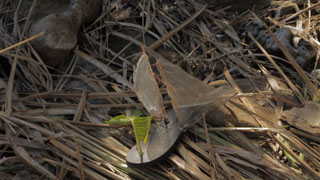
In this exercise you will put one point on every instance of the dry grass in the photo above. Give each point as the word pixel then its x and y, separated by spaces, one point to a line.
pixel 51 122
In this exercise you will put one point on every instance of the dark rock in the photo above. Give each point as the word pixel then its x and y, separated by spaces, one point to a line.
pixel 316 74
pixel 284 35
pixel 59 39
pixel 89 9
pixel 255 27
pixel 303 53
pixel 263 36
pixel 60 20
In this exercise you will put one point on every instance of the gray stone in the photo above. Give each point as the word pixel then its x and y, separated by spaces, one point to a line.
pixel 303 53
pixel 60 20
pixel 316 74
pixel 284 35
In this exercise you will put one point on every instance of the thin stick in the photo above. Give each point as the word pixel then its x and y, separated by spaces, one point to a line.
pixel 159 42
pixel 298 13
pixel 289 82
pixel 291 59
pixel 22 42
pixel 170 92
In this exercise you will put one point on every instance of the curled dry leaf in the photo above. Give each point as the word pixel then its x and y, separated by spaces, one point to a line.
pixel 305 118
pixel 146 87
pixel 190 91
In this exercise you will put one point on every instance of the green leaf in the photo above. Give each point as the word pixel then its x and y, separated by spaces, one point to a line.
pixel 124 120
pixel 120 120
pixel 136 113
pixel 301 156
pixel 141 127
pixel 290 158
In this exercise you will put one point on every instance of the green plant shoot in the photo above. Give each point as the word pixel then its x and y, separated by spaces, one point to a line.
pixel 124 120
pixel 141 127
pixel 120 120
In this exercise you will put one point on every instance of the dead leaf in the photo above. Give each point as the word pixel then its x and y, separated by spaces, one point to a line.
pixel 146 87
pixel 305 118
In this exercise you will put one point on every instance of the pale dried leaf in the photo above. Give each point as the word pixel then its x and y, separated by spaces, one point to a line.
pixel 190 91
pixel 305 118
pixel 146 87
